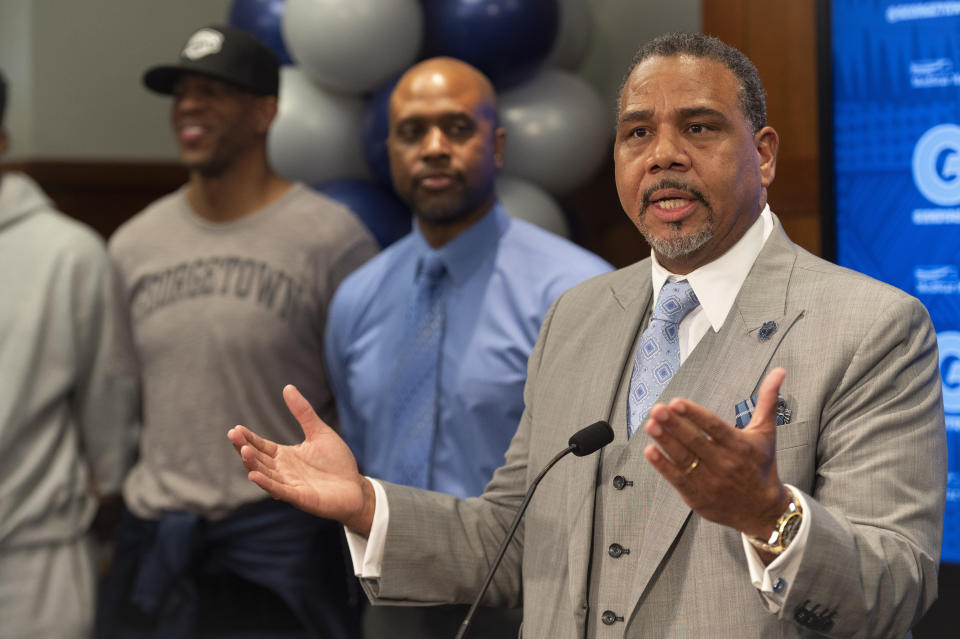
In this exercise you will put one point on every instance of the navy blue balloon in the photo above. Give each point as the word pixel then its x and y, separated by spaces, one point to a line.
pixel 506 39
pixel 376 126
pixel 383 213
pixel 264 19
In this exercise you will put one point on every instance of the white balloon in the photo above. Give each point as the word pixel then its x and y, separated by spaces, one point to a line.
pixel 353 45
pixel 558 131
pixel 525 200
pixel 574 35
pixel 317 134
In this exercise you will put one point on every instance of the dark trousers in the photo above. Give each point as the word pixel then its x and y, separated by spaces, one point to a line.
pixel 265 570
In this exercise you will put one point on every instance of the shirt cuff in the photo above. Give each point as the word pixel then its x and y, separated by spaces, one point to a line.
pixel 367 553
pixel 774 581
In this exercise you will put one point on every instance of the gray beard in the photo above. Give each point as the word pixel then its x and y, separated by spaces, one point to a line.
pixel 678 245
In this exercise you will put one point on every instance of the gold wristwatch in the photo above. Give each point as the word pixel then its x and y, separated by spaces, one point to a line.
pixel 783 531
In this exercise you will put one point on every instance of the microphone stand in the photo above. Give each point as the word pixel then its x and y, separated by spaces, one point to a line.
pixel 506 541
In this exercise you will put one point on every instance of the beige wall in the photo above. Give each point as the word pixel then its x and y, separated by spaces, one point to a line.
pixel 74 67
pixel 16 60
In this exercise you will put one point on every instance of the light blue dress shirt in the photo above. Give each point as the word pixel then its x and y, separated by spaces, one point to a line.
pixel 504 275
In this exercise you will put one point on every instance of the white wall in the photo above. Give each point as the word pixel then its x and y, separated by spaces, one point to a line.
pixel 74 67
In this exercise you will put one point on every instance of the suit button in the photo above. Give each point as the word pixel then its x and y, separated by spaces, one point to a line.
pixel 609 617
pixel 620 482
pixel 616 550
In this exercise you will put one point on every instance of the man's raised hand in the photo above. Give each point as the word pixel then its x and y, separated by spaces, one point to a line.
pixel 724 474
pixel 318 475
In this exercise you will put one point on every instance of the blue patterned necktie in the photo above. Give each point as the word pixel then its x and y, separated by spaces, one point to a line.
pixel 417 380
pixel 658 355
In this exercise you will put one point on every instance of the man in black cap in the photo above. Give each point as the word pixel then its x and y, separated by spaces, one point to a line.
pixel 228 281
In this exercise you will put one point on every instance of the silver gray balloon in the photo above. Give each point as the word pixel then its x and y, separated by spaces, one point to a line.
pixel 353 46
pixel 316 136
pixel 574 36
pixel 558 131
pixel 525 200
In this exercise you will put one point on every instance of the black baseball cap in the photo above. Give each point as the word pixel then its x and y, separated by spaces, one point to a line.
pixel 224 53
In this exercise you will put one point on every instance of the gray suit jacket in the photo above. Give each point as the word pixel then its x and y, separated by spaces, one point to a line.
pixel 866 444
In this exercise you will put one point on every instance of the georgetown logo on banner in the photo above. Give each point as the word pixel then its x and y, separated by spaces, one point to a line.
pixel 949 346
pixel 936 164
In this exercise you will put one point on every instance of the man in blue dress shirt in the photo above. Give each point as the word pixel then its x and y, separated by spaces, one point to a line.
pixel 500 276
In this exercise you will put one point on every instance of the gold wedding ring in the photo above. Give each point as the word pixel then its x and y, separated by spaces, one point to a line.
pixel 693 466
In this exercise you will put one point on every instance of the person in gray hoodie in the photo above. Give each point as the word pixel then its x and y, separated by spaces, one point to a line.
pixel 68 402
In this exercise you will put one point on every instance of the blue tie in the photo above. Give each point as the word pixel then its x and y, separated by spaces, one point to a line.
pixel 658 354
pixel 417 380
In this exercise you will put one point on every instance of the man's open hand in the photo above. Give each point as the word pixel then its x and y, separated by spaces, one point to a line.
pixel 724 474
pixel 319 475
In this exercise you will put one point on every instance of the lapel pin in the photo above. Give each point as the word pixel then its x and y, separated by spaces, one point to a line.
pixel 768 329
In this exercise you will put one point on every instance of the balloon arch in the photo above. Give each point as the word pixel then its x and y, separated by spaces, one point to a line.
pixel 343 57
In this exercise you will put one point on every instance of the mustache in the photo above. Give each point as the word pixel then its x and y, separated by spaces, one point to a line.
pixel 671 184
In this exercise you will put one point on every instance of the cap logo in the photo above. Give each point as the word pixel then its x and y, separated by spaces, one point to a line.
pixel 203 43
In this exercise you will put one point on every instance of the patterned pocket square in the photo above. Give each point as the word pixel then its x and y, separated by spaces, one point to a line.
pixel 744 411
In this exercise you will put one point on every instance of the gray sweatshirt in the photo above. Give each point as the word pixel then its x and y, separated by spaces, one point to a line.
pixel 224 314
pixel 68 385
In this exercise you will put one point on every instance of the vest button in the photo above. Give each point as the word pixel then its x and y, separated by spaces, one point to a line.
pixel 609 617
pixel 616 550
pixel 620 482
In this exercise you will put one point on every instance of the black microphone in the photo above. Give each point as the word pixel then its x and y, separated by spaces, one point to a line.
pixel 583 442
pixel 588 439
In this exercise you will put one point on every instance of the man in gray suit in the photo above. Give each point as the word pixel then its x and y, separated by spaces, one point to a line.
pixel 790 480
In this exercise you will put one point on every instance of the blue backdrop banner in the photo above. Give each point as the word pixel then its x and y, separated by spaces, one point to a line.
pixel 896 124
